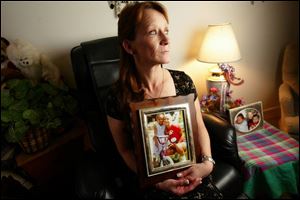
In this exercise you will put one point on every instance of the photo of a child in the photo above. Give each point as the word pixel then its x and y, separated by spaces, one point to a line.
pixel 240 123
pixel 247 118
pixel 163 135
pixel 168 133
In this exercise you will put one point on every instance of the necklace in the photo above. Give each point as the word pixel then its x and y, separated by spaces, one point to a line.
pixel 162 86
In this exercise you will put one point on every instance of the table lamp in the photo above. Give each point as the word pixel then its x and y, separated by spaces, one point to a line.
pixel 220 46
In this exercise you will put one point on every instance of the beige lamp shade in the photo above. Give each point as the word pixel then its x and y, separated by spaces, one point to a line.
pixel 219 45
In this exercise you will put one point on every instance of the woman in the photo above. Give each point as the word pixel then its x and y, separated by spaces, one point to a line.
pixel 143 34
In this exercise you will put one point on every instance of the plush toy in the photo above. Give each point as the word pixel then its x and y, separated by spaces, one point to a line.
pixel 4 44
pixel 8 69
pixel 33 64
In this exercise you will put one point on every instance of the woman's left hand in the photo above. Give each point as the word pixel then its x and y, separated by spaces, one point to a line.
pixel 188 179
pixel 196 171
pixel 179 186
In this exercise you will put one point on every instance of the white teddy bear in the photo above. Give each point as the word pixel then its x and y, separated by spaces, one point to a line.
pixel 33 64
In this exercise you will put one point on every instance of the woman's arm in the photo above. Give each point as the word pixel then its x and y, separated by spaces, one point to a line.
pixel 121 139
pixel 190 178
pixel 203 140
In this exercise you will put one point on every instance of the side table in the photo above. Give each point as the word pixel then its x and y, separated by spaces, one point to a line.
pixel 271 162
pixel 59 157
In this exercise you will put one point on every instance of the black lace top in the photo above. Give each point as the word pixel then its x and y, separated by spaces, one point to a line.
pixel 183 84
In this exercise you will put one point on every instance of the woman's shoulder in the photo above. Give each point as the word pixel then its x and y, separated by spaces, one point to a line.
pixel 177 74
pixel 113 104
pixel 180 77
pixel 113 91
pixel 183 83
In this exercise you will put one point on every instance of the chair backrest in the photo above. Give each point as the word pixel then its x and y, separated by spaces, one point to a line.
pixel 96 66
pixel 290 67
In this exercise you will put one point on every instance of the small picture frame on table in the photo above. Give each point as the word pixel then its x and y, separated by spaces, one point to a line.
pixel 247 118
pixel 161 155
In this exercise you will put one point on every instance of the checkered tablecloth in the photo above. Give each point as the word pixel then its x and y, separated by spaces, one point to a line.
pixel 268 153
pixel 266 148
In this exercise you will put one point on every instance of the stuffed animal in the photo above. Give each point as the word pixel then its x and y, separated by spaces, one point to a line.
pixel 4 44
pixel 33 64
pixel 8 69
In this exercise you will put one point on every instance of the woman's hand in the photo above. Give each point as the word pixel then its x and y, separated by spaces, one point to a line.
pixel 179 186
pixel 197 170
pixel 187 180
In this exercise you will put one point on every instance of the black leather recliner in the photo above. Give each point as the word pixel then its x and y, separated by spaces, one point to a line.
pixel 102 173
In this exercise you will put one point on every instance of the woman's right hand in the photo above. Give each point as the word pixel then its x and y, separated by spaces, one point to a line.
pixel 179 186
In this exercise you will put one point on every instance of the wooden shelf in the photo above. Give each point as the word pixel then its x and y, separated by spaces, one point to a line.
pixel 61 154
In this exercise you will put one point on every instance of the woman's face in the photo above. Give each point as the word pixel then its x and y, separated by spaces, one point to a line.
pixel 151 44
pixel 250 115
pixel 167 121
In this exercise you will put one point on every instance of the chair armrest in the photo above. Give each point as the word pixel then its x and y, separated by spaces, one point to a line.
pixel 91 178
pixel 97 179
pixel 287 100
pixel 223 139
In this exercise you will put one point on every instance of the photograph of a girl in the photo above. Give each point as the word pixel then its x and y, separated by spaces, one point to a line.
pixel 166 134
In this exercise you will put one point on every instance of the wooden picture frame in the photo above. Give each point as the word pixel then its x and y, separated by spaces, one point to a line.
pixel 161 156
pixel 247 118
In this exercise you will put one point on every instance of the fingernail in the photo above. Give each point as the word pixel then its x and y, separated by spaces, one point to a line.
pixel 179 175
